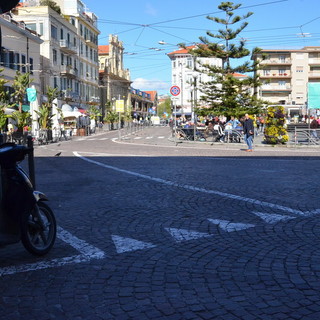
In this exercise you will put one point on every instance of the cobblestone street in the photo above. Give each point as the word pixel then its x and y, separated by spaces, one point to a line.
pixel 151 229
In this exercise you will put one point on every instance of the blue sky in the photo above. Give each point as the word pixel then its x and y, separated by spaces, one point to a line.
pixel 141 24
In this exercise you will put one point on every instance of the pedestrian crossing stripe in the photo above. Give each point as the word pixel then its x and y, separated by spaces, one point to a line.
pixel 229 226
pixel 185 235
pixel 123 244
pixel 272 218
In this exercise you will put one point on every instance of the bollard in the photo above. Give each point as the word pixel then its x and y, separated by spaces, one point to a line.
pixel 31 161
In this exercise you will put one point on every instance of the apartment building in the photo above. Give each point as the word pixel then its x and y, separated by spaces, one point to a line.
pixel 114 78
pixel 189 81
pixel 69 48
pixel 285 75
pixel 20 51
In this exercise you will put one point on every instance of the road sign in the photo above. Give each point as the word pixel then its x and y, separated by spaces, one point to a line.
pixel 175 90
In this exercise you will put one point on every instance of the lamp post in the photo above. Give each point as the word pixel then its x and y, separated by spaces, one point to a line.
pixel 194 103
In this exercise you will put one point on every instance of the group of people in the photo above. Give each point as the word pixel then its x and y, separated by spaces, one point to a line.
pixel 222 127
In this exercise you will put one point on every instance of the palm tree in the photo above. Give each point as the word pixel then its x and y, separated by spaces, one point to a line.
pixel 20 83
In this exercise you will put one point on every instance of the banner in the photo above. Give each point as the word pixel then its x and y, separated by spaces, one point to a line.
pixel 314 95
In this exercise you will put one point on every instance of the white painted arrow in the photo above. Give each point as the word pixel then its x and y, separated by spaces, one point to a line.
pixel 123 244
pixel 231 226
pixel 272 218
pixel 185 235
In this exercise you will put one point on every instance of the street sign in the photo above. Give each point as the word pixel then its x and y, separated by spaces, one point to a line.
pixel 175 90
pixel 119 105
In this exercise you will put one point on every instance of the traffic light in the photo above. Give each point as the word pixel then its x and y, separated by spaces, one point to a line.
pixel 7 5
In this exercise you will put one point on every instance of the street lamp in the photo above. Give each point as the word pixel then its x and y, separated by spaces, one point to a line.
pixel 194 102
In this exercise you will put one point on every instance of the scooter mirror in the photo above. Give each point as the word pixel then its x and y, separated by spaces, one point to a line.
pixel 7 5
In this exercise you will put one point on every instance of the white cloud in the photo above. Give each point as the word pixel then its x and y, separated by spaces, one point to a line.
pixel 150 84
pixel 150 10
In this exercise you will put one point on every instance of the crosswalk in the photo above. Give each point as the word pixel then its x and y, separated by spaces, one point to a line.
pixel 125 138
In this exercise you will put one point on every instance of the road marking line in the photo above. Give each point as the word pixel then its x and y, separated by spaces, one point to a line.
pixel 192 188
pixel 185 235
pixel 87 253
pixel 271 217
pixel 123 244
pixel 231 226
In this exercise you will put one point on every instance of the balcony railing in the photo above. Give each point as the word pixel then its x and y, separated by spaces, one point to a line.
pixel 67 47
pixel 68 71
pixel 276 61
pixel 276 87
pixel 314 74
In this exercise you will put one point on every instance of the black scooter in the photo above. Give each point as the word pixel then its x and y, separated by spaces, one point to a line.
pixel 24 215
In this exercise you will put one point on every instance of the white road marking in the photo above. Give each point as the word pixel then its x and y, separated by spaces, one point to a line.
pixel 192 188
pixel 161 137
pixel 231 226
pixel 123 244
pixel 103 139
pixel 272 218
pixel 137 138
pixel 185 235
pixel 148 138
pixel 87 253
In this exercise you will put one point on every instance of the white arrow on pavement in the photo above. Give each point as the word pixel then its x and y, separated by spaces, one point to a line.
pixel 185 235
pixel 231 226
pixel 123 244
pixel 272 218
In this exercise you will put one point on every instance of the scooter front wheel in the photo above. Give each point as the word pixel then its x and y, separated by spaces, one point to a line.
pixel 38 231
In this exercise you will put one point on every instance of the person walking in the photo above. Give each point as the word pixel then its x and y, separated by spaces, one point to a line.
pixel 248 131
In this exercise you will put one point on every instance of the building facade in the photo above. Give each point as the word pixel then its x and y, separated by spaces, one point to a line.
pixel 20 51
pixel 285 75
pixel 69 49
pixel 183 66
pixel 114 79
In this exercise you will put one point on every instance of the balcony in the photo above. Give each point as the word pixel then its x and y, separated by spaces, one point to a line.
pixel 276 61
pixel 314 61
pixel 68 71
pixel 67 48
pixel 313 74
pixel 278 88
pixel 276 75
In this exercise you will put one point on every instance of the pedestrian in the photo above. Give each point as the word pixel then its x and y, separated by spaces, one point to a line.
pixel 314 126
pixel 248 131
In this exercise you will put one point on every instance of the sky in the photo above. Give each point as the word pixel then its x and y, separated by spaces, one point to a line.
pixel 141 24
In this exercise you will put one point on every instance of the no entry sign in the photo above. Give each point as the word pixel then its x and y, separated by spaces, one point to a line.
pixel 175 90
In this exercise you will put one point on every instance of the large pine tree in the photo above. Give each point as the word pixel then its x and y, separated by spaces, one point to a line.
pixel 227 94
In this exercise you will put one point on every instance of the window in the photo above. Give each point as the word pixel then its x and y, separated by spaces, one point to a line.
pixel 61 34
pixel 55 82
pixel 11 59
pixel 54 32
pixel 17 61
pixel 41 28
pixel 32 26
pixel 282 83
pixel 54 56
pixel 31 65
pixel 23 61
pixel 282 72
pixel 62 59
pixel 189 62
pixel 266 72
pixel 299 68
pixel 282 58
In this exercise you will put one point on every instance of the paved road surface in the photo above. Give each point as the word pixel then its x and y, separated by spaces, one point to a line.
pixel 151 230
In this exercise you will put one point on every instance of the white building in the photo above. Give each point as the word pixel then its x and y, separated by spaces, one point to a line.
pixel 20 51
pixel 188 80
pixel 69 49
